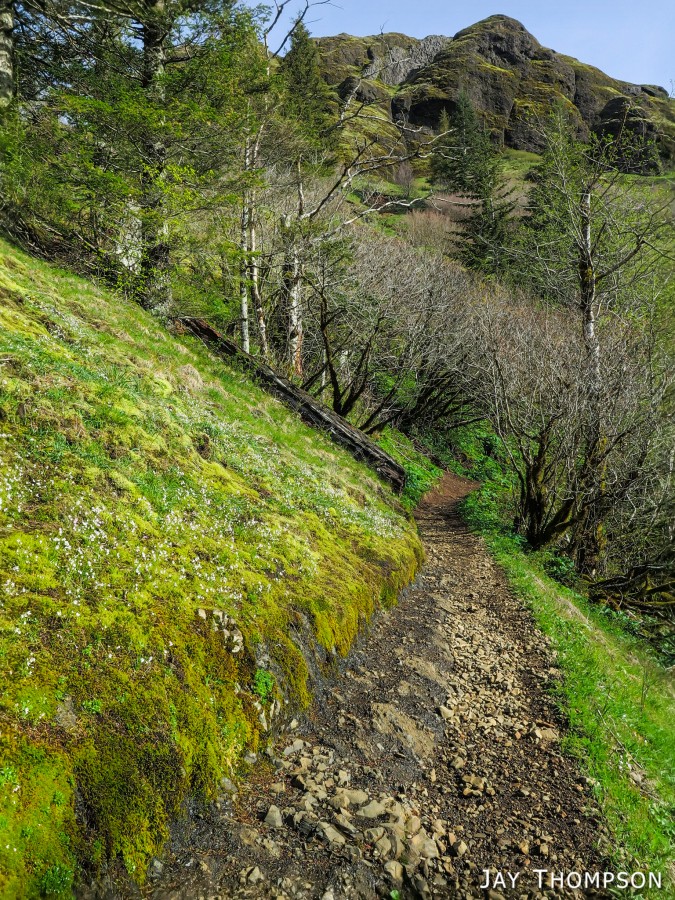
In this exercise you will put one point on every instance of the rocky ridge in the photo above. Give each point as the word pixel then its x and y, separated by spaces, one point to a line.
pixel 506 72
pixel 434 759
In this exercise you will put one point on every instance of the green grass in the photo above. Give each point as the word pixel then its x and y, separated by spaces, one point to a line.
pixel 517 163
pixel 143 485
pixel 420 473
pixel 620 702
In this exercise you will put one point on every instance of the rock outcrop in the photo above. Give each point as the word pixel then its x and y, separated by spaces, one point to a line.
pixel 509 76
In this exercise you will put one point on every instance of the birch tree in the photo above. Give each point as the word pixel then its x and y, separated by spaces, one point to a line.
pixel 6 53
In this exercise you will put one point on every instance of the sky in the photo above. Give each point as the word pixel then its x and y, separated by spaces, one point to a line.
pixel 631 41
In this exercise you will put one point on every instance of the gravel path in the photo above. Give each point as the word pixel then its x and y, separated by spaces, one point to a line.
pixel 436 757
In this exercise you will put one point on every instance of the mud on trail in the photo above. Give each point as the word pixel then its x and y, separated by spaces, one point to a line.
pixel 435 757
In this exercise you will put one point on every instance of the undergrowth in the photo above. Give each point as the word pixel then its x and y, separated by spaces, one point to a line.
pixel 420 473
pixel 170 538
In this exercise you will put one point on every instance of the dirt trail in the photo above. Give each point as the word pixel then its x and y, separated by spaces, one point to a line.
pixel 436 757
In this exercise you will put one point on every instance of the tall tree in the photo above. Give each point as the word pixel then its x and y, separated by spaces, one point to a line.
pixel 459 155
pixel 591 245
pixel 6 52
pixel 308 100
pixel 464 162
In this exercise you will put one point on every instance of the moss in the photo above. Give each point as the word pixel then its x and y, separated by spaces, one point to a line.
pixel 137 499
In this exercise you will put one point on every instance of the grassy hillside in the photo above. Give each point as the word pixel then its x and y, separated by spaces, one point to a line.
pixel 177 554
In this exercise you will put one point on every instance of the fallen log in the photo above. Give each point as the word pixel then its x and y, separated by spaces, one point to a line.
pixel 309 408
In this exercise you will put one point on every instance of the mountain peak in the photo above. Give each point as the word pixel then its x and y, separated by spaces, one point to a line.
pixel 508 75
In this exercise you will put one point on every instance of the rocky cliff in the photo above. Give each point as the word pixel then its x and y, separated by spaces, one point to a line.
pixel 506 72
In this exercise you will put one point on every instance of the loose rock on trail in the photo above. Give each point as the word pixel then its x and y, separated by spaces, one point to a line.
pixel 436 757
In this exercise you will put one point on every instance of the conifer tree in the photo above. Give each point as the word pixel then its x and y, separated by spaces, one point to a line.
pixel 466 163
pixel 460 152
pixel 308 98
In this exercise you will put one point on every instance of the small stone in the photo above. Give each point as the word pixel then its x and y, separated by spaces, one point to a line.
pixel 413 825
pixel 295 747
pixel 357 798
pixel 372 810
pixel 445 713
pixel 459 848
pixel 273 817
pixel 394 870
pixel 255 875
pixel 383 845
pixel 156 868
pixel 345 825
pixel 331 834
pixel 373 834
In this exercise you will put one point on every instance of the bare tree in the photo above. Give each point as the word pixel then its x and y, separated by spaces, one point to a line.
pixel 590 246
pixel 529 374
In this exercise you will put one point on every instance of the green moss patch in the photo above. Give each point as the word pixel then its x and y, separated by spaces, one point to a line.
pixel 167 531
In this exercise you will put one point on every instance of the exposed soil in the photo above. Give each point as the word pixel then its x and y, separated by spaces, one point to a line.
pixel 435 757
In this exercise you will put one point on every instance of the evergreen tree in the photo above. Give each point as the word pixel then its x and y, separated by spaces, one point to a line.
pixel 132 141
pixel 461 150
pixel 487 231
pixel 307 96
pixel 465 162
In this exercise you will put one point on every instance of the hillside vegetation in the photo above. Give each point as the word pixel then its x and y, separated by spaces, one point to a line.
pixel 144 486
pixel 183 561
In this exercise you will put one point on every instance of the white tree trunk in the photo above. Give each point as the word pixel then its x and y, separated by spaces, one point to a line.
pixel 6 52
pixel 255 280
pixel 295 324
pixel 155 229
pixel 244 264
pixel 588 300
pixel 292 278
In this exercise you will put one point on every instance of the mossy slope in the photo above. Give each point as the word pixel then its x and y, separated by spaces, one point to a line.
pixel 144 485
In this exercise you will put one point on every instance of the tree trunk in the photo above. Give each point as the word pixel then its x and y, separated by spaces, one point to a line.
pixel 244 265
pixel 6 52
pixel 587 300
pixel 156 282
pixel 254 277
pixel 589 529
pixel 292 277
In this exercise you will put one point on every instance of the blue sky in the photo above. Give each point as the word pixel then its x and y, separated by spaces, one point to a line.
pixel 633 41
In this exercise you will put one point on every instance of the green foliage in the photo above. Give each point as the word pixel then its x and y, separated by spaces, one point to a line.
pixel 263 684
pixel 56 882
pixel 420 473
pixel 307 100
pixel 116 529
pixel 463 153
pixel 465 162
pixel 116 172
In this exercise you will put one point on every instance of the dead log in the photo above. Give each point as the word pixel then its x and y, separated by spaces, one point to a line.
pixel 309 408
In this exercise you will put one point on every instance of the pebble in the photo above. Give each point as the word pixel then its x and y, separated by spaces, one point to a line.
pixel 274 818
